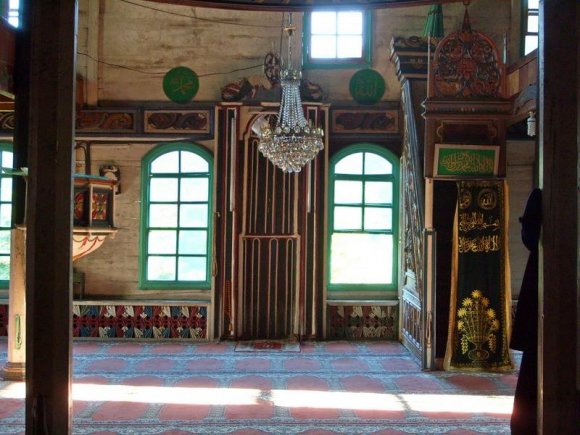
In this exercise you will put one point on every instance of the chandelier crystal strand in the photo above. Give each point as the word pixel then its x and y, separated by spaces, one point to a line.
pixel 293 142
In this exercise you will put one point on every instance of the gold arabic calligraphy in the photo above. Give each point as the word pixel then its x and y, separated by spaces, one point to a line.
pixel 468 163
pixel 476 221
pixel 479 244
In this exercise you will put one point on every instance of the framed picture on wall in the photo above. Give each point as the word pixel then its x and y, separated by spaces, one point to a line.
pixel 459 161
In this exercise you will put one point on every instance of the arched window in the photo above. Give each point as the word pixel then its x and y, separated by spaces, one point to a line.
pixel 5 213
pixel 363 223
pixel 175 217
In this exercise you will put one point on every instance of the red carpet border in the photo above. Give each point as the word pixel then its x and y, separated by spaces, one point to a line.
pixel 203 388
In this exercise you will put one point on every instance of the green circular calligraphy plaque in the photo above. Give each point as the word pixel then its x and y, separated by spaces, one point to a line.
pixel 180 84
pixel 367 86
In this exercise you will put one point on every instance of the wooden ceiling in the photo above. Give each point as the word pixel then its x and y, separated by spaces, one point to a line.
pixel 300 5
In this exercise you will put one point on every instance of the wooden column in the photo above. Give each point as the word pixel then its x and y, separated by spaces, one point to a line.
pixel 558 139
pixel 51 58
pixel 14 369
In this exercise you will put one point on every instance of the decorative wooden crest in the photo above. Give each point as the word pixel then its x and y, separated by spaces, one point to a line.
pixel 466 65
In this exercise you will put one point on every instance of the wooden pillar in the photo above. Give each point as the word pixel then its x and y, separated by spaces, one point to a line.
pixel 52 27
pixel 14 369
pixel 558 142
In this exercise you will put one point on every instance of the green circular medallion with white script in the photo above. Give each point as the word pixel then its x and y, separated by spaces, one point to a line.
pixel 367 86
pixel 180 84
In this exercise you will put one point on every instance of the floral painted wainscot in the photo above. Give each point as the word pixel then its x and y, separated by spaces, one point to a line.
pixel 101 320
pixel 355 322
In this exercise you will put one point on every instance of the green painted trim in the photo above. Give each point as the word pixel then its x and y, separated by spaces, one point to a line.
pixel 363 290
pixel 6 146
pixel 159 150
pixel 363 62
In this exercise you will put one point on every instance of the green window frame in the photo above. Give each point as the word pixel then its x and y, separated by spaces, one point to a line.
pixel 530 26
pixel 336 28
pixel 362 243
pixel 176 207
pixel 6 161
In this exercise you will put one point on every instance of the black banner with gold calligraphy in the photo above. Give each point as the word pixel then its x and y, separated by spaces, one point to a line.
pixel 479 317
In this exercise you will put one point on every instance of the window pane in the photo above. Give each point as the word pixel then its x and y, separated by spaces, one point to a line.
pixel 348 266
pixel 5 268
pixel 161 268
pixel 375 165
pixel 162 242
pixel 5 215
pixel 378 192
pixel 193 215
pixel 378 218
pixel 323 47
pixel 4 241
pixel 351 164
pixel 193 242
pixel 323 23
pixel 163 189
pixel 533 24
pixel 347 218
pixel 533 4
pixel 163 215
pixel 167 163
pixel 349 47
pixel 348 192
pixel 191 162
pixel 192 269
pixel 531 43
pixel 350 23
pixel 194 189
pixel 6 189
pixel 7 158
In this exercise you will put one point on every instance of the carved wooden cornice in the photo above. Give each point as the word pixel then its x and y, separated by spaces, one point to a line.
pixel 135 122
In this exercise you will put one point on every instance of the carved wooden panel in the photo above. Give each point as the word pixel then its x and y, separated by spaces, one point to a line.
pixel 466 64
pixel 269 248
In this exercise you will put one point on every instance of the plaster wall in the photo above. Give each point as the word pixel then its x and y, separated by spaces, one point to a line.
pixel 113 270
pixel 151 38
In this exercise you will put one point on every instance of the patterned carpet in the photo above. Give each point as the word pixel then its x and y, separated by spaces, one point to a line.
pixel 326 388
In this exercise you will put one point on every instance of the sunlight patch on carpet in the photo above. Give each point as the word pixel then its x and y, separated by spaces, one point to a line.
pixel 167 395
pixel 439 403
pixel 464 403
pixel 336 400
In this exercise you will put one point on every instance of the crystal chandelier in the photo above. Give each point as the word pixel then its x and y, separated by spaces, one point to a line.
pixel 293 141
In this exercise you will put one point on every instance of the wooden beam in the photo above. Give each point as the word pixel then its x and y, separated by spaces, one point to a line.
pixel 558 290
pixel 51 61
